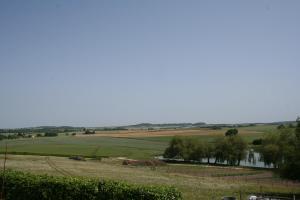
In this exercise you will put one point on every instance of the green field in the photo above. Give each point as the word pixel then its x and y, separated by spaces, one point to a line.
pixel 131 147
pixel 87 146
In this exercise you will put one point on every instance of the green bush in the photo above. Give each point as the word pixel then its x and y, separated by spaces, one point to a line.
pixel 51 134
pixel 122 191
pixel 19 186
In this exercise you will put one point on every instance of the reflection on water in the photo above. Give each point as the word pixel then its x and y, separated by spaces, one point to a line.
pixel 252 160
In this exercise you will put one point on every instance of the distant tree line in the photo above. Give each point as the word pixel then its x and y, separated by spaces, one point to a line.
pixel 112 129
pixel 23 135
pixel 230 149
pixel 43 129
pixel 13 136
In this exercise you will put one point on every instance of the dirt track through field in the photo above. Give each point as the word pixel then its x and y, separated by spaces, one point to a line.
pixel 56 168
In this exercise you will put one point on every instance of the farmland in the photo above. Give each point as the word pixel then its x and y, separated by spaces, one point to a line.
pixel 50 155
pixel 137 144
pixel 195 182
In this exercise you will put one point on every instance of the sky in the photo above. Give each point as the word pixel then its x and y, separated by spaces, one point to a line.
pixel 119 62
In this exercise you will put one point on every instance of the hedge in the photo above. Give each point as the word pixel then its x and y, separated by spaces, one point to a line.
pixel 20 186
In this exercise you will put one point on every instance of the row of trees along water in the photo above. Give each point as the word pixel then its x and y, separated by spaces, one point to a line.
pixel 280 149
pixel 230 149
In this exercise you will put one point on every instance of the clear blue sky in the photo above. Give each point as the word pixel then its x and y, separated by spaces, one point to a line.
pixel 99 63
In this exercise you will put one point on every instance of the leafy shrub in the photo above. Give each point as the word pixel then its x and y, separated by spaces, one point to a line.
pixel 257 141
pixel 88 132
pixel 19 186
pixel 51 134
pixel 231 132
pixel 113 190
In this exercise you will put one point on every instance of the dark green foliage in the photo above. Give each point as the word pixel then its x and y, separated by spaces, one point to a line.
pixel 19 186
pixel 184 148
pixel 112 190
pixel 189 147
pixel 11 136
pixel 112 129
pixel 42 129
pixel 231 132
pixel 282 149
pixel 231 149
pixel 257 141
pixel 175 149
pixel 291 126
pixel 87 132
pixel 216 128
pixel 271 154
pixel 275 145
pixel 291 155
pixel 239 147
pixel 208 151
pixel 297 131
pixel 51 134
pixel 281 126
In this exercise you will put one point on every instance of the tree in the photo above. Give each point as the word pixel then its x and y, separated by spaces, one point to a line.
pixel 208 151
pixel 257 141
pixel 291 126
pixel 39 135
pixel 175 149
pixel 271 155
pixel 281 126
pixel 230 149
pixel 190 149
pixel 297 130
pixel 231 132
pixel 240 147
pixel 270 150
pixel 290 168
pixel 221 150
pixel 279 147
pixel 198 152
pixel 88 132
pixel 51 134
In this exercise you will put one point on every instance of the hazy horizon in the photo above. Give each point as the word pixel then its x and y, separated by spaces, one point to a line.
pixel 111 63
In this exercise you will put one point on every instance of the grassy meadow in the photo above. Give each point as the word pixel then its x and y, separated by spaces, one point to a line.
pixel 137 144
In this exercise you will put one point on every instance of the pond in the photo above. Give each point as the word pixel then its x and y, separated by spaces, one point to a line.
pixel 252 160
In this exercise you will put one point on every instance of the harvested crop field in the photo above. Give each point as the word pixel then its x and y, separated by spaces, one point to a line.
pixel 163 133
pixel 195 181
